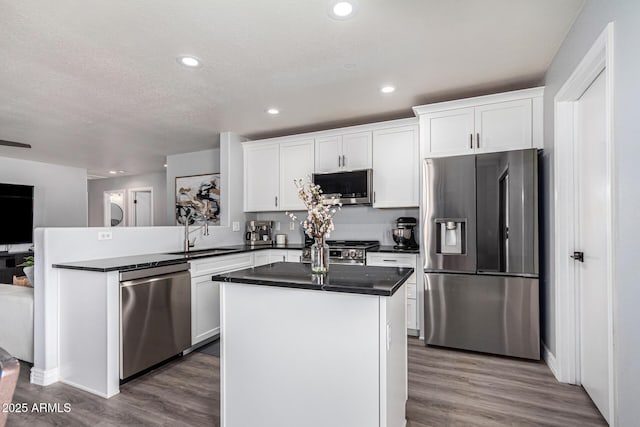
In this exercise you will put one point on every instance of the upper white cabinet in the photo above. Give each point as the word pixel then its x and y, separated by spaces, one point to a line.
pixel 503 126
pixel 500 122
pixel 343 152
pixel 449 132
pixel 269 171
pixel 395 170
pixel 296 161
pixel 271 166
pixel 261 177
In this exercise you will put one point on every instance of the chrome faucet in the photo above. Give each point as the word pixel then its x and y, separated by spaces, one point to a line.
pixel 188 244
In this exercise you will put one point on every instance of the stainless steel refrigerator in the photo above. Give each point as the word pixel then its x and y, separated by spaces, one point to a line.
pixel 480 234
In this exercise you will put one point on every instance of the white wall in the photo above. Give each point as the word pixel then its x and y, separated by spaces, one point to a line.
pixel 626 127
pixel 60 193
pixel 157 181
pixel 196 163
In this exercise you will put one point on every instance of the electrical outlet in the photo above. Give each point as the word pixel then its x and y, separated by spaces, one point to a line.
pixel 292 226
pixel 277 225
pixel 105 235
pixel 236 225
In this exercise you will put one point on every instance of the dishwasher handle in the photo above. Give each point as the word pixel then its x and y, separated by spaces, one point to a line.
pixel 149 280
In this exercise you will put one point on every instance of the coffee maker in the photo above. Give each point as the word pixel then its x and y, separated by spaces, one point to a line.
pixel 403 234
pixel 258 233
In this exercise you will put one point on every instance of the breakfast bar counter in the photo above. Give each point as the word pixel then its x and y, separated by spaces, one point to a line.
pixel 303 349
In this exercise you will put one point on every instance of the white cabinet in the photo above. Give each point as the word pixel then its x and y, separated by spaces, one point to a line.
pixel 343 152
pixel 205 308
pixel 395 171
pixel 296 161
pixel 269 171
pixel 261 177
pixel 500 122
pixel 449 132
pixel 205 293
pixel 268 256
pixel 384 259
pixel 503 126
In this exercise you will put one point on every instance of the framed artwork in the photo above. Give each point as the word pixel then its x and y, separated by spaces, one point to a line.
pixel 198 199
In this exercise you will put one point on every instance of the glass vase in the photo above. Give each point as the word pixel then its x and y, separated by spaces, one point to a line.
pixel 319 256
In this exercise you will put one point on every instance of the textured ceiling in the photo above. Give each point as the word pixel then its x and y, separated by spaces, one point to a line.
pixel 95 84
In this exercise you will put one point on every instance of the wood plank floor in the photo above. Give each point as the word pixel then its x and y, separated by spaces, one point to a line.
pixel 446 388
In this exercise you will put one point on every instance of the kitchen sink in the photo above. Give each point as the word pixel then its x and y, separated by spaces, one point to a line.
pixel 204 252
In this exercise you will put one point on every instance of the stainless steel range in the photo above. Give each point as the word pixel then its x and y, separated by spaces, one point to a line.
pixel 345 251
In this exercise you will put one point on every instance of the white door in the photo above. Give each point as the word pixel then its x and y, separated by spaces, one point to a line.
pixel 503 126
pixel 591 239
pixel 296 162
pixel 328 154
pixel 449 132
pixel 395 171
pixel 141 205
pixel 262 178
pixel 357 151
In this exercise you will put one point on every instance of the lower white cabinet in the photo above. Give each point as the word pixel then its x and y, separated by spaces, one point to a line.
pixel 205 293
pixel 268 256
pixel 384 259
pixel 205 308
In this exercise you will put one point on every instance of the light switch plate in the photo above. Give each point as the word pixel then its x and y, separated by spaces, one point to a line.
pixel 277 225
pixel 292 226
pixel 105 235
pixel 236 225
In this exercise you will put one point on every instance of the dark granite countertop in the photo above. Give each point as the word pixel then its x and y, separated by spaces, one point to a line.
pixel 139 262
pixel 391 249
pixel 368 280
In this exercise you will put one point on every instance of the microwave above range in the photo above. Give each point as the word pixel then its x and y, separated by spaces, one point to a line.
pixel 350 188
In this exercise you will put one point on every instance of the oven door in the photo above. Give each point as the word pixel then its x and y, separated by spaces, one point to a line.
pixel 351 188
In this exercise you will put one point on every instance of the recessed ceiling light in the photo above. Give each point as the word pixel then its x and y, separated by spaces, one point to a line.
pixel 120 171
pixel 273 111
pixel 189 61
pixel 113 172
pixel 387 89
pixel 342 9
pixel 165 165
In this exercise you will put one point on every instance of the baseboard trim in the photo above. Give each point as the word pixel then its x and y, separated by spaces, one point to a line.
pixel 90 390
pixel 44 377
pixel 550 360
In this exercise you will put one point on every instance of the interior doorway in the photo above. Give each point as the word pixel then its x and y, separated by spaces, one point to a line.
pixel 584 227
pixel 114 208
pixel 141 207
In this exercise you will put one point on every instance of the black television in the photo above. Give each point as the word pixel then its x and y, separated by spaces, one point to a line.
pixel 16 214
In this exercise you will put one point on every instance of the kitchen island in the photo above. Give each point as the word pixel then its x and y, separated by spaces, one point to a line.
pixel 302 349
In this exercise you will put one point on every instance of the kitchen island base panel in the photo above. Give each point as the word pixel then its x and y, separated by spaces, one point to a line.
pixel 90 331
pixel 327 358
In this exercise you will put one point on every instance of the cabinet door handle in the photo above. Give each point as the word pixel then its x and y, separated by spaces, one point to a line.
pixel 344 161
pixel 276 201
pixel 339 161
pixel 390 260
pixel 374 197
pixel 471 141
pixel 477 140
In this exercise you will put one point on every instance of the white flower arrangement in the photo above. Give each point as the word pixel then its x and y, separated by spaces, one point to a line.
pixel 320 210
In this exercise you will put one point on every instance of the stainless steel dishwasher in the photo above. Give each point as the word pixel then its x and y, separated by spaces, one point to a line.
pixel 155 316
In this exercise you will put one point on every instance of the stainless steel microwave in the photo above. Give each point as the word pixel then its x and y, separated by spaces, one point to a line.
pixel 351 187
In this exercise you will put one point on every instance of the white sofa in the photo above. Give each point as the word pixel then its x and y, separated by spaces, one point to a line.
pixel 16 321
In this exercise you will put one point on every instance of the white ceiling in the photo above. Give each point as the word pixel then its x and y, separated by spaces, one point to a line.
pixel 96 84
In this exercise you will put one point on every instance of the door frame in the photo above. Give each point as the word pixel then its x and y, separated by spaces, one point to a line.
pixel 131 210
pixel 567 323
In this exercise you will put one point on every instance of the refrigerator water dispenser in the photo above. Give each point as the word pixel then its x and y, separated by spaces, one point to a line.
pixel 451 236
